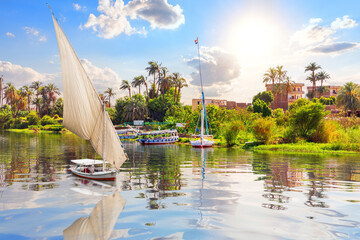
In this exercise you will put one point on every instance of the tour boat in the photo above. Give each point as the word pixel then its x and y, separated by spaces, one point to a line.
pixel 85 115
pixel 158 137
pixel 203 140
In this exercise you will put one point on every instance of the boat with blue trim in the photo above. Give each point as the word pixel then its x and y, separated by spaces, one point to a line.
pixel 168 136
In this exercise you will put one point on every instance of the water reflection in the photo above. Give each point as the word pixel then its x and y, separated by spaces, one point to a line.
pixel 100 223
pixel 177 191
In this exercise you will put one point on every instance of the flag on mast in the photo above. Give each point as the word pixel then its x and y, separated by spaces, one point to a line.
pixel 196 41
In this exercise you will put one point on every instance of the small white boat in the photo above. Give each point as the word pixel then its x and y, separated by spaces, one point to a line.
pixel 93 169
pixel 202 142
pixel 85 115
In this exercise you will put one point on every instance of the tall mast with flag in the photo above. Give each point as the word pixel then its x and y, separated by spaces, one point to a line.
pixel 205 140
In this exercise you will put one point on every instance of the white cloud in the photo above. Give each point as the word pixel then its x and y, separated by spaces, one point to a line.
pixel 10 35
pixel 114 17
pixel 35 33
pixel 218 68
pixel 343 23
pixel 77 7
pixel 315 20
pixel 314 38
pixel 20 76
pixel 102 78
pixel 311 34
pixel 159 13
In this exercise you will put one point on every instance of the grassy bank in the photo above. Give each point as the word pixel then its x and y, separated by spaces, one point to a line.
pixel 309 148
pixel 38 131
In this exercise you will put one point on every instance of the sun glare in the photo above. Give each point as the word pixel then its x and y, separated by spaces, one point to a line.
pixel 254 38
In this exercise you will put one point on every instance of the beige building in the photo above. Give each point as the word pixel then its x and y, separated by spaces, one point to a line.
pixel 283 99
pixel 220 103
pixel 327 91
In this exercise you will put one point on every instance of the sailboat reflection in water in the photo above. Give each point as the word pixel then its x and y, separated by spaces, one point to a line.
pixel 100 223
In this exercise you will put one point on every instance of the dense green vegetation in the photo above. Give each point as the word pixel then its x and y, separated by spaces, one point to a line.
pixel 304 123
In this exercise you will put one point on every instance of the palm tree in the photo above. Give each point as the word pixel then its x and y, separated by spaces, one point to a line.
pixel 163 82
pixel 180 84
pixel 37 85
pixel 1 91
pixel 137 83
pixel 28 93
pixel 280 76
pixel 135 109
pixel 312 67
pixel 322 76
pixel 20 103
pixel 175 77
pixel 288 85
pixel 52 91
pixel 126 85
pixel 11 94
pixel 349 97
pixel 110 92
pixel 152 69
pixel 269 77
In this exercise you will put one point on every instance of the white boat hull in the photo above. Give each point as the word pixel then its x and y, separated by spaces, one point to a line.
pixel 104 176
pixel 201 144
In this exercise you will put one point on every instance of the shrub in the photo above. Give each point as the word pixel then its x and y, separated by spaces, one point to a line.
pixel 264 129
pixel 230 132
pixel 261 107
pixel 33 118
pixel 55 128
pixel 306 117
pixel 47 120
pixel 326 132
pixel 5 117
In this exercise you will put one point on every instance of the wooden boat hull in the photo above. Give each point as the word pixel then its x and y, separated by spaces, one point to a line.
pixel 101 176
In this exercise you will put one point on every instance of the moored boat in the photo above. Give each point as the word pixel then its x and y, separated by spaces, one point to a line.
pixel 202 140
pixel 85 115
pixel 158 137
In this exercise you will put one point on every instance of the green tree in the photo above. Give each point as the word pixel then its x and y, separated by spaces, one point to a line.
pixel 349 97
pixel 36 86
pixel 135 109
pixel 261 107
pixel 28 93
pixel 305 117
pixel 153 69
pixel 267 97
pixel 312 67
pixel 52 91
pixel 126 85
pixel 109 92
pixel 230 131
pixel 33 118
pixel 264 129
pixel 1 91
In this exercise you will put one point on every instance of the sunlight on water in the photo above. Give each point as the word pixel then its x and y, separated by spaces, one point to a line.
pixel 176 192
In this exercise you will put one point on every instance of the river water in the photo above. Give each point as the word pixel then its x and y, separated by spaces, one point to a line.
pixel 176 192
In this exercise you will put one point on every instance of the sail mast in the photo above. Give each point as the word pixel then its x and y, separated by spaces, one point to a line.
pixel 104 137
pixel 202 92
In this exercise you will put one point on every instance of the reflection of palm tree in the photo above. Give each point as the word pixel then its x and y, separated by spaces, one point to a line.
pixel 349 97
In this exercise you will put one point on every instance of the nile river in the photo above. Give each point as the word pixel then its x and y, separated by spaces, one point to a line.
pixel 176 192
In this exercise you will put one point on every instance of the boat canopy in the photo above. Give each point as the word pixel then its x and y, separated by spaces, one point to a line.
pixel 157 132
pixel 87 161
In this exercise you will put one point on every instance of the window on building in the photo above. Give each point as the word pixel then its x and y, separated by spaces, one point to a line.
pixel 334 91
pixel 198 102
pixel 299 90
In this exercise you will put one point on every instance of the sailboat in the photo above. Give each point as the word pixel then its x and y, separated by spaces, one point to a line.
pixel 202 140
pixel 85 115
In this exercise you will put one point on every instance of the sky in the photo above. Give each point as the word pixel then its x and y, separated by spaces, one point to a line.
pixel 239 41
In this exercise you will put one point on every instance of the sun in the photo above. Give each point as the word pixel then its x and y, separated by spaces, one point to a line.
pixel 254 38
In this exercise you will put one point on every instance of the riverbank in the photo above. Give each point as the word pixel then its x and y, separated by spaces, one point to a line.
pixel 285 148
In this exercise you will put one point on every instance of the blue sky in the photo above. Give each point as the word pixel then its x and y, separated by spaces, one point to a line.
pixel 239 39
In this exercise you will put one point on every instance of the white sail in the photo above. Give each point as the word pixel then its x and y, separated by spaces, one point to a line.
pixel 83 108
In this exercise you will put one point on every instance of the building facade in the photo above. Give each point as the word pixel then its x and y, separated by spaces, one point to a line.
pixel 325 91
pixel 283 99
pixel 221 103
